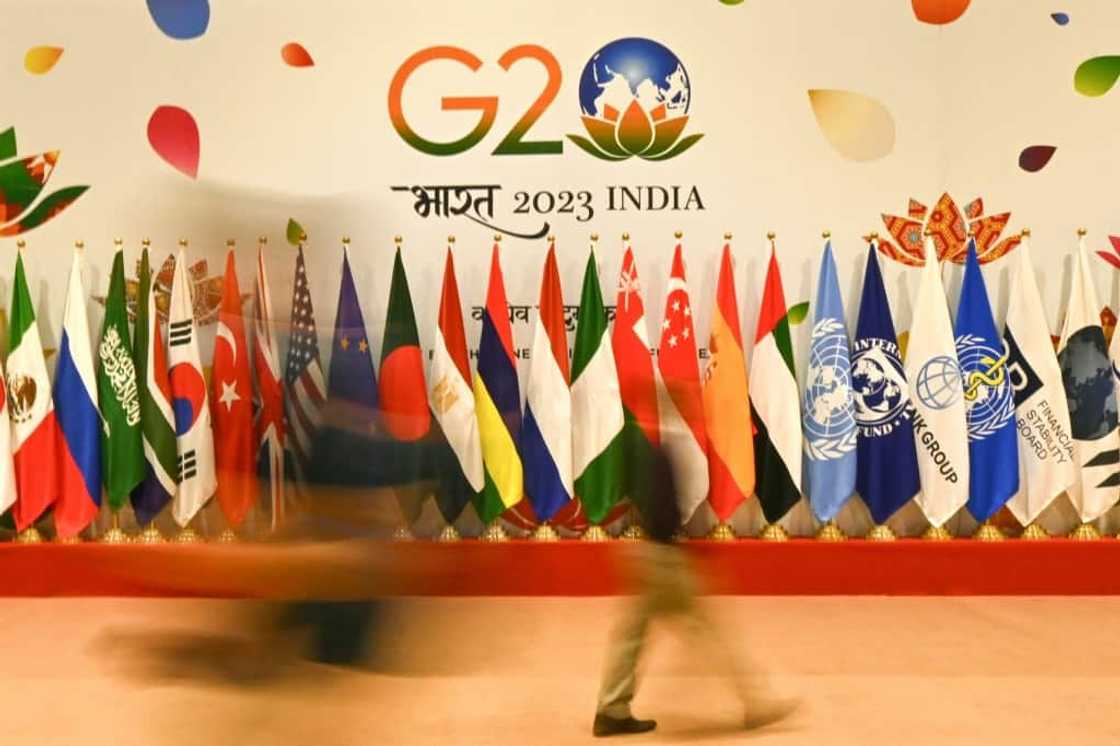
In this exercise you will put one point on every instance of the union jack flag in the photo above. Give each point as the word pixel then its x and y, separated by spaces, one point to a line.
pixel 304 375
pixel 269 420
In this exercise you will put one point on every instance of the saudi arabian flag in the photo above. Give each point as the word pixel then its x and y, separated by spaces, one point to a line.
pixel 122 450
pixel 597 442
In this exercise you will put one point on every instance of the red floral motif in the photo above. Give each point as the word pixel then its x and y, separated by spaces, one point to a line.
pixel 949 227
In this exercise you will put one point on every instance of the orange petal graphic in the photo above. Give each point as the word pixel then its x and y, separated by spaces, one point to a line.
pixel 40 60
pixel 888 249
pixel 907 232
pixel 987 230
pixel 947 226
pixel 939 12
pixel 635 132
pixel 295 55
pixel 974 209
pixel 1002 248
pixel 916 209
pixel 857 126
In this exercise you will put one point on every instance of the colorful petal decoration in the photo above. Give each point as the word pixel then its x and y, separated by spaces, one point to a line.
pixel 295 232
pixel 939 12
pixel 295 55
pixel 173 134
pixel 949 229
pixel 1035 157
pixel 1112 256
pixel 857 126
pixel 1096 75
pixel 40 60
pixel 1060 18
pixel 8 144
pixel 181 19
pixel 797 313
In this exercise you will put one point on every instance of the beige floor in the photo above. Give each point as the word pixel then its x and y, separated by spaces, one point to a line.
pixel 524 671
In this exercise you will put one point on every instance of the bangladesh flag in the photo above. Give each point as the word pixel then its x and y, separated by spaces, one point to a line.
pixel 597 421
pixel 122 452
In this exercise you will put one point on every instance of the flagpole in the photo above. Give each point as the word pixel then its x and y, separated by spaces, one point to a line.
pixel 595 532
pixel 402 532
pixel 544 531
pixel 228 535
pixel 449 532
pixel 494 533
pixel 29 535
pixel 773 531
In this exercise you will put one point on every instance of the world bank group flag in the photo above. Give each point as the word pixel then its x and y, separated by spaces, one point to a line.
pixel 828 415
pixel 993 446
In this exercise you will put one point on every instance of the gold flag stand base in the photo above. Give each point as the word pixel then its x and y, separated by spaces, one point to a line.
pixel 545 532
pixel 150 535
pixel 494 533
pixel 722 532
pixel 1034 532
pixel 114 536
pixel 988 532
pixel 681 536
pixel 187 536
pixel 402 533
pixel 633 532
pixel 1085 532
pixel 448 533
pixel 595 532
pixel 881 532
pixel 228 536
pixel 774 532
pixel 831 532
pixel 29 536
pixel 75 539
pixel 937 533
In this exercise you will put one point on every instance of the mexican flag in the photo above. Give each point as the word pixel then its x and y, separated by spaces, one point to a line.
pixel 597 419
pixel 34 428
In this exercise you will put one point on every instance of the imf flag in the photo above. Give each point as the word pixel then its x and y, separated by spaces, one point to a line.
pixel 829 415
pixel 993 447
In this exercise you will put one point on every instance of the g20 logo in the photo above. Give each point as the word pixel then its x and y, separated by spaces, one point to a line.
pixel 634 95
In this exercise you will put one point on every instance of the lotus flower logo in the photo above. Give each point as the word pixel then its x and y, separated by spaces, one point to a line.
pixel 21 182
pixel 949 228
pixel 634 94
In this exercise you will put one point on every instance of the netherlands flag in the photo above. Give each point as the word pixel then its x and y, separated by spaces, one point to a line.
pixel 546 431
pixel 79 426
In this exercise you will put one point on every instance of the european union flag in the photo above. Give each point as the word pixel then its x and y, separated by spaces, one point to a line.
pixel 829 413
pixel 989 398
pixel 887 460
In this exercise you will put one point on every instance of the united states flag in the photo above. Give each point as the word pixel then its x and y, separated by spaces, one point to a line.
pixel 304 375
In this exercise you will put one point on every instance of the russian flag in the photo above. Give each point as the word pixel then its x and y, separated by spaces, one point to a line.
pixel 546 432
pixel 79 424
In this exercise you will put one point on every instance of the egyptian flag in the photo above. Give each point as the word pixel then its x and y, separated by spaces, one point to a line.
pixel 546 431
pixel 195 438
pixel 637 384
pixel 1090 392
pixel 775 403
pixel 498 403
pixel 682 406
pixel 34 427
pixel 458 448
pixel 727 407
pixel 79 423
pixel 231 405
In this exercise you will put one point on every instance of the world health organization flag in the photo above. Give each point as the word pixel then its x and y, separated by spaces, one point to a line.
pixel 993 447
pixel 828 416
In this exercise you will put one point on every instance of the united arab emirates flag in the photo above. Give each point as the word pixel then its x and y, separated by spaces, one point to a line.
pixel 775 404
pixel 597 419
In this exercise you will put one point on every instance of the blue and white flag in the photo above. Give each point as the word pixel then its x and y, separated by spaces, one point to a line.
pixel 1090 391
pixel 828 415
pixel 887 461
pixel 989 399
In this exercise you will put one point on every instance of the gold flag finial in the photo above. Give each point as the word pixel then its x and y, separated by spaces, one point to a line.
pixel 625 236
pixel 230 242
pixel 874 235
pixel 346 240
pixel 1081 231
pixel 397 240
pixel 1025 233
pixel 262 239
pixel 678 235
pixel 146 242
pixel 302 236
pixel 451 239
pixel 594 237
pixel 826 234
pixel 927 232
pixel 497 237
pixel 183 242
pixel 551 238
pixel 118 242
pixel 21 244
pixel 80 244
pixel 770 236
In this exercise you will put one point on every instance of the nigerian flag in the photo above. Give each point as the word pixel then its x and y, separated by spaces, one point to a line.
pixel 597 442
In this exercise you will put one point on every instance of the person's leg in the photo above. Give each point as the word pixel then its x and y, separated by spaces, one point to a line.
pixel 620 674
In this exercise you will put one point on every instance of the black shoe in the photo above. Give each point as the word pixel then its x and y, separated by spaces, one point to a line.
pixel 608 726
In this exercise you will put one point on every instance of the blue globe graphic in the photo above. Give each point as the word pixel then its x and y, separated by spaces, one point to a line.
pixel 939 382
pixel 829 411
pixel 634 68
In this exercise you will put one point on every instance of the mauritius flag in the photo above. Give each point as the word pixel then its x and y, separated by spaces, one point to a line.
pixel 498 403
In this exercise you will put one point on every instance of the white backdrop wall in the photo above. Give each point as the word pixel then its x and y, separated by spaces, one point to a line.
pixel 317 144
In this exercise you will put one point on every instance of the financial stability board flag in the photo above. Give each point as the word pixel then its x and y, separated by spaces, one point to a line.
pixel 403 394
pixel 193 432
pixel 940 427
pixel 268 421
pixel 157 417
pixel 79 422
pixel 775 402
pixel 546 430
pixel 1091 395
pixel 886 459
pixel 34 427
pixel 1046 458
pixel 498 403
pixel 993 446
pixel 231 406
pixel 451 396
pixel 727 407
pixel 638 387
pixel 597 419
pixel 306 389
pixel 829 416
pixel 682 405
